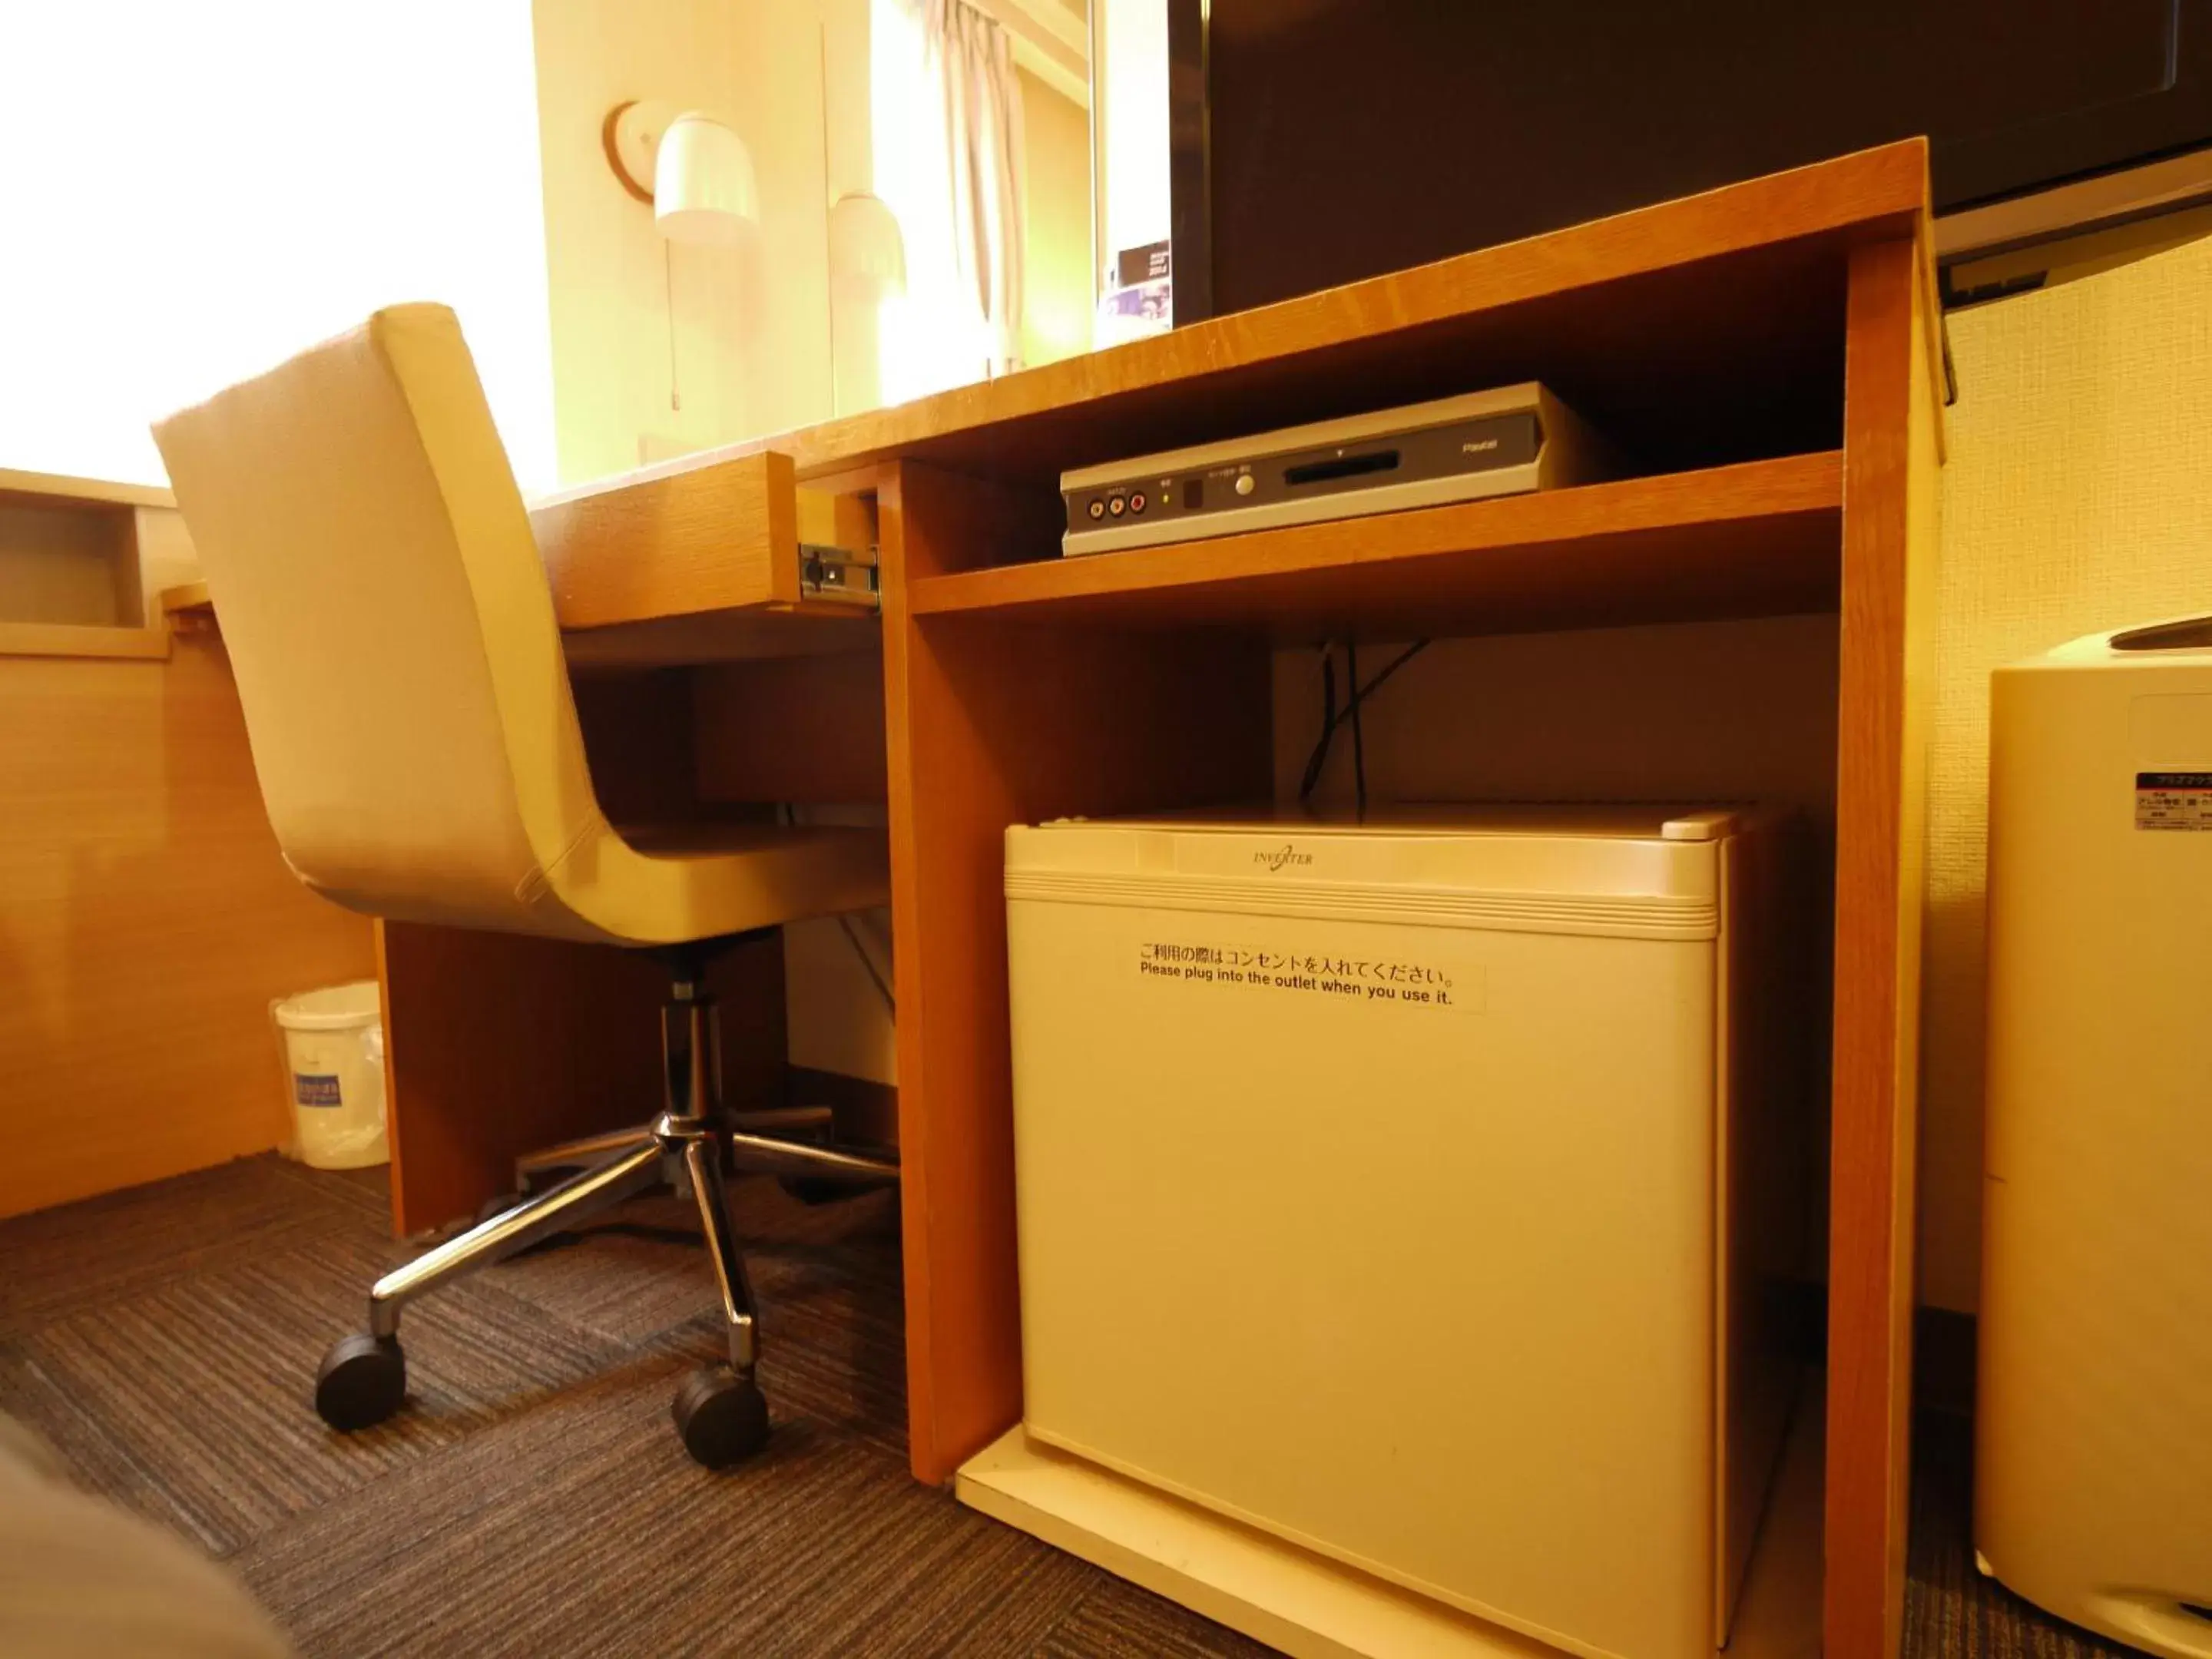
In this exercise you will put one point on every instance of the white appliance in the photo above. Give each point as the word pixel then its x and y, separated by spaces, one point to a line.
pixel 1455 449
pixel 2094 1461
pixel 1406 1189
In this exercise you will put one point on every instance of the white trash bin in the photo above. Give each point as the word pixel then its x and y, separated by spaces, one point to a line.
pixel 334 1050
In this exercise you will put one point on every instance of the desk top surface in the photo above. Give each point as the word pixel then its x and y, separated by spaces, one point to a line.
pixel 1709 326
pixel 1361 345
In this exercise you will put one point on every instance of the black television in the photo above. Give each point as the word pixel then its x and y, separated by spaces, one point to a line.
pixel 1318 141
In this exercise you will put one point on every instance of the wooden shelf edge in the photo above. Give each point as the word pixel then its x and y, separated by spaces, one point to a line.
pixel 74 640
pixel 708 636
pixel 185 597
pixel 82 492
pixel 745 633
pixel 1299 1600
pixel 1786 486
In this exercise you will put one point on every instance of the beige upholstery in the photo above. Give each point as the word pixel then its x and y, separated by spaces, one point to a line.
pixel 388 619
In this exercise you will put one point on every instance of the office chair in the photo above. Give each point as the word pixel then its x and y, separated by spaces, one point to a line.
pixel 408 704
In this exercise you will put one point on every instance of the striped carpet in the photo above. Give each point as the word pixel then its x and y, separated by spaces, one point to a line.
pixel 1950 1609
pixel 533 1499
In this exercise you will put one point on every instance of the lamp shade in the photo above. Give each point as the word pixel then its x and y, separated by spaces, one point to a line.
pixel 703 188
pixel 866 249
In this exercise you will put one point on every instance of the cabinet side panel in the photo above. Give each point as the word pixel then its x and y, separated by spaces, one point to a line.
pixel 990 724
pixel 1889 478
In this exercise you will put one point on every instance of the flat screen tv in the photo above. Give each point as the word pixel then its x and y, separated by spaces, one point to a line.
pixel 1318 141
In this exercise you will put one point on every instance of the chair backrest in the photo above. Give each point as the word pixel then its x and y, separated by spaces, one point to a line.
pixel 389 623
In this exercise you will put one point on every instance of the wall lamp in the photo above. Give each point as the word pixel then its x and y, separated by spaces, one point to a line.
pixel 694 169
pixel 866 248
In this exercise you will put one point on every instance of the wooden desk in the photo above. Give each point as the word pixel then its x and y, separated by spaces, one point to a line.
pixel 1768 356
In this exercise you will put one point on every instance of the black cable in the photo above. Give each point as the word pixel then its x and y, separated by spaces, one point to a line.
pixel 1358 738
pixel 852 938
pixel 1316 760
pixel 1396 663
pixel 1332 717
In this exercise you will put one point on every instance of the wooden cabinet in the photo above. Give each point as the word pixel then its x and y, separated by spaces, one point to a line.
pixel 1767 357
pixel 147 919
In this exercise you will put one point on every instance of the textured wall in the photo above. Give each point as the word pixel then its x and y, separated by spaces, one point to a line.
pixel 1056 275
pixel 146 923
pixel 659 348
pixel 2078 498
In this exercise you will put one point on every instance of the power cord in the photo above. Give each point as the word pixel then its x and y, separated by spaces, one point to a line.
pixel 1319 758
pixel 1332 716
pixel 1358 737
pixel 875 977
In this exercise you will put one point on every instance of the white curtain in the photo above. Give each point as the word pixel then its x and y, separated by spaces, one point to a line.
pixel 947 142
pixel 973 63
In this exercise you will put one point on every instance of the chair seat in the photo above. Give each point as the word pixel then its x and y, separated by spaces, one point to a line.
pixel 710 838
pixel 665 883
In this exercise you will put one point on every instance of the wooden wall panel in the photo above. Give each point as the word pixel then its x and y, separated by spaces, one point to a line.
pixel 992 725
pixel 1886 635
pixel 499 1044
pixel 67 562
pixel 146 923
pixel 803 729
pixel 638 743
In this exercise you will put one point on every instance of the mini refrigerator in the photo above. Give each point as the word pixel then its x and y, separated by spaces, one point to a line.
pixel 2092 1459
pixel 1418 1190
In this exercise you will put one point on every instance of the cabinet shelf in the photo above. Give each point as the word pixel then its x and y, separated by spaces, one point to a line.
pixel 20 639
pixel 1759 539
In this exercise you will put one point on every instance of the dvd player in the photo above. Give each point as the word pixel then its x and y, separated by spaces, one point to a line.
pixel 1456 449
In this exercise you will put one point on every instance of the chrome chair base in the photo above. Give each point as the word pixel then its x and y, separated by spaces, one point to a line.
pixel 719 1411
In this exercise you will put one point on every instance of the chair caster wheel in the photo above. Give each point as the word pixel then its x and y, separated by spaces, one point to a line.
pixel 722 1417
pixel 362 1382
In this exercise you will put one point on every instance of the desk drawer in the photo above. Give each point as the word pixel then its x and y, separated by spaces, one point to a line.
pixel 729 535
